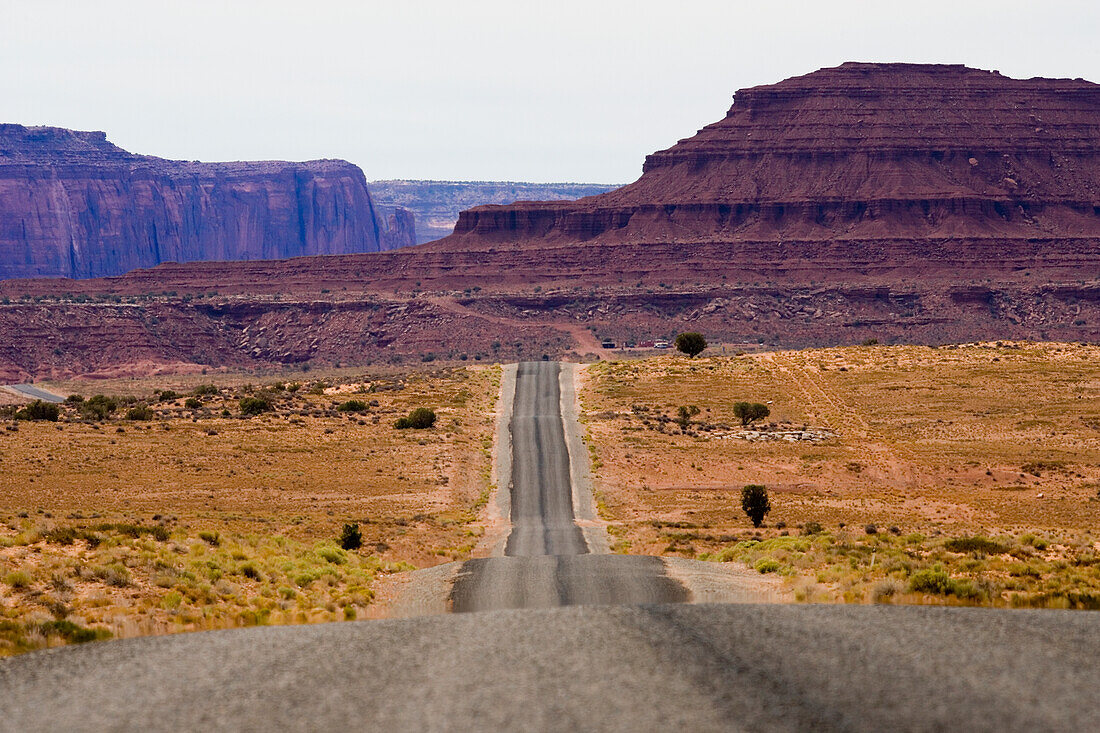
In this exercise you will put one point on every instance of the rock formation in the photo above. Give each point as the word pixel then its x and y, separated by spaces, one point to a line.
pixel 72 204
pixel 858 169
pixel 437 204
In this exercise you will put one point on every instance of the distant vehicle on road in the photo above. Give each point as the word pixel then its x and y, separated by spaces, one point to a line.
pixel 607 344
pixel 645 344
pixel 661 345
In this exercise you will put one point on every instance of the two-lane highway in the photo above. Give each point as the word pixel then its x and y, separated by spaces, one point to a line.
pixel 547 562
pixel 542 494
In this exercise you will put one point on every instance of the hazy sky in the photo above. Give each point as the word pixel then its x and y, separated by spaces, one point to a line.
pixel 537 91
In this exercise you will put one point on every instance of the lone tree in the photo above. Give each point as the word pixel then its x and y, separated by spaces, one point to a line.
pixel 350 537
pixel 685 414
pixel 748 412
pixel 754 500
pixel 691 343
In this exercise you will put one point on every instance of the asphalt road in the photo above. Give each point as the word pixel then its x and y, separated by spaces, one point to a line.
pixel 542 496
pixel 547 561
pixel 590 668
pixel 29 390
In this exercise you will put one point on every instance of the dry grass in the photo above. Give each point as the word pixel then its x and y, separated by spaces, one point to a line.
pixel 274 489
pixel 985 439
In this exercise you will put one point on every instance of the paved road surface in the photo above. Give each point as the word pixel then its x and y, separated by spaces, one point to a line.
pixel 547 561
pixel 542 496
pixel 35 393
pixel 590 668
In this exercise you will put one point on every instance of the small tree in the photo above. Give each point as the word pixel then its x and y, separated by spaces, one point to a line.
pixel 686 412
pixel 749 412
pixel 352 406
pixel 350 537
pixel 754 500
pixel 39 410
pixel 691 343
pixel 419 419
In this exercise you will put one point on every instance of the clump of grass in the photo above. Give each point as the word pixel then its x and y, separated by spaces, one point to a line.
pixel 767 565
pixel 70 632
pixel 19 579
pixel 211 538
pixel 981 545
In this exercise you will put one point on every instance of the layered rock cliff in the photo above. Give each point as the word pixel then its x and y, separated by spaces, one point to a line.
pixel 72 204
pixel 437 204
pixel 909 157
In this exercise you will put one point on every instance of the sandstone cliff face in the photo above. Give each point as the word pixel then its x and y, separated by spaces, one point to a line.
pixel 437 204
pixel 72 204
pixel 860 152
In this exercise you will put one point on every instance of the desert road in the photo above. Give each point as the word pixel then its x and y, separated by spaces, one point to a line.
pixel 35 393
pixel 567 637
pixel 547 560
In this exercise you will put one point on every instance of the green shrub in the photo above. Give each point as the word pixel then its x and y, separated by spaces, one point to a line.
pixel 979 545
pixel 755 503
pixel 684 415
pixel 74 399
pixel 419 419
pixel 204 390
pixel 140 412
pixel 192 403
pixel 98 407
pixel 211 538
pixel 168 396
pixel 254 405
pixel 767 565
pixel 812 528
pixel 336 556
pixel 350 537
pixel 931 580
pixel 250 571
pixel 352 406
pixel 18 579
pixel 39 410
pixel 72 633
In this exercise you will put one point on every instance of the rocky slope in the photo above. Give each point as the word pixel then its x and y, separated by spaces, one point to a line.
pixel 899 202
pixel 437 204
pixel 72 204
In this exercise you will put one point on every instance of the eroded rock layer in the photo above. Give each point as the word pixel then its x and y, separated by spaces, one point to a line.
pixel 855 153
pixel 72 204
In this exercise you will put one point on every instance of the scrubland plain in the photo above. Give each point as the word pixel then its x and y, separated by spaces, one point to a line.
pixel 958 474
pixel 193 515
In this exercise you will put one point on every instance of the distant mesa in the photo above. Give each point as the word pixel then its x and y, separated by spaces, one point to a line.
pixel 862 165
pixel 72 204
pixel 437 204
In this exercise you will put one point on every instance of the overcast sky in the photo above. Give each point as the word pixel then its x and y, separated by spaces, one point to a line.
pixel 537 91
